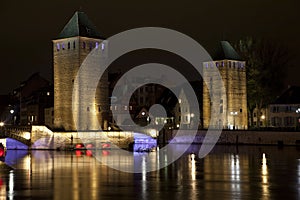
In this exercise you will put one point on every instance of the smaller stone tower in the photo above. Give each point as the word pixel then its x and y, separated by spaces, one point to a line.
pixel 233 107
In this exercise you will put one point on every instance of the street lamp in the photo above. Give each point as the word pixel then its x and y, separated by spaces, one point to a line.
pixel 1 124
pixel 234 114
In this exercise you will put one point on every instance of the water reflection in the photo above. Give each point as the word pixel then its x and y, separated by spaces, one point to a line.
pixel 235 174
pixel 193 168
pixel 264 175
pixel 226 173
pixel 298 178
pixel 11 185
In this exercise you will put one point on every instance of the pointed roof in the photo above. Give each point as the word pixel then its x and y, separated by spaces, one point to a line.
pixel 289 96
pixel 79 25
pixel 225 51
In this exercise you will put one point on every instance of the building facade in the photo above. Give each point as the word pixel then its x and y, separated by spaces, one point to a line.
pixel 232 109
pixel 284 112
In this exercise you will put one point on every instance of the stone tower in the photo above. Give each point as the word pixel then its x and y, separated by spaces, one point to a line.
pixel 232 107
pixel 70 48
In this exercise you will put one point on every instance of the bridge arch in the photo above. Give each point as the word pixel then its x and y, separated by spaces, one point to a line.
pixel 20 134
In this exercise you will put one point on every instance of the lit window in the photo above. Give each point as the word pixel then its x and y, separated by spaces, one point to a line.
pixel 102 46
pixel 130 107
pixel 97 45
pixel 125 108
pixel 57 46
pixel 48 93
pixel 63 46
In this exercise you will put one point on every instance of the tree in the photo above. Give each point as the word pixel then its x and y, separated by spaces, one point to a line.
pixel 265 72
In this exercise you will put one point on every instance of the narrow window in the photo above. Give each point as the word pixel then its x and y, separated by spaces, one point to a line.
pixel 74 45
pixel 69 45
pixel 97 45
pixel 57 46
pixel 221 109
pixel 83 45
pixel 63 46
pixel 88 109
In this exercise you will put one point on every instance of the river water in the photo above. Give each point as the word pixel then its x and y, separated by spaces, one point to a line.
pixel 228 172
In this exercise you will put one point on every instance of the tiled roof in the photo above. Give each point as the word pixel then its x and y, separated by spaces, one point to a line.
pixel 289 96
pixel 79 25
pixel 224 51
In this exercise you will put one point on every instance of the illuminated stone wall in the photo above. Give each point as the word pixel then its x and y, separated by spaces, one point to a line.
pixel 233 75
pixel 44 138
pixel 68 55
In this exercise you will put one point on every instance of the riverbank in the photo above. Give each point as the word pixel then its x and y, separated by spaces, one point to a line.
pixel 238 137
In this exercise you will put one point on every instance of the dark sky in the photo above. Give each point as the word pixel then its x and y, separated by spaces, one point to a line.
pixel 27 27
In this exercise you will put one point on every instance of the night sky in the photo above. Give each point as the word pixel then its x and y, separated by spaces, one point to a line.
pixel 27 27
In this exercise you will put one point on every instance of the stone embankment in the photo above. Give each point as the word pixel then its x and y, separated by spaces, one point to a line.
pixel 239 137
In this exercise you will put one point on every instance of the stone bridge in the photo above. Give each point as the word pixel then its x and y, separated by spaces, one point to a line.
pixel 40 137
pixel 19 133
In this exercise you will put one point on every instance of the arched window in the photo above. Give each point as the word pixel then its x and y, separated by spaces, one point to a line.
pixel 63 46
pixel 57 46
pixel 97 45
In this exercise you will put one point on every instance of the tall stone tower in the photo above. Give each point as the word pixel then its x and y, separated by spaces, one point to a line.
pixel 70 48
pixel 232 107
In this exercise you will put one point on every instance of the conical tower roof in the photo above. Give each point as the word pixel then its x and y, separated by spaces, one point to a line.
pixel 79 25
pixel 225 51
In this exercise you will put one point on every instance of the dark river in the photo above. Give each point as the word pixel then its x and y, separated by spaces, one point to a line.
pixel 228 172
